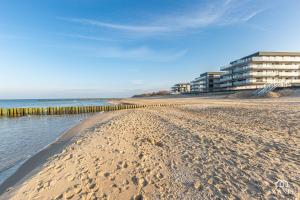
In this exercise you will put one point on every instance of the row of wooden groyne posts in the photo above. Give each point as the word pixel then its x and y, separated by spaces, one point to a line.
pixel 18 112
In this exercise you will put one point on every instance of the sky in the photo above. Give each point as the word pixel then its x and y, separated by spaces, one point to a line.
pixel 117 48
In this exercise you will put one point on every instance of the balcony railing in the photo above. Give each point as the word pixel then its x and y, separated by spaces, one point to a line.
pixel 241 83
pixel 227 78
pixel 275 67
pixel 262 59
pixel 262 74
pixel 223 68
pixel 225 85
pixel 276 59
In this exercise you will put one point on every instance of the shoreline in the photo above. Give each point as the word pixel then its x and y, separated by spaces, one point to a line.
pixel 200 149
pixel 14 166
pixel 33 164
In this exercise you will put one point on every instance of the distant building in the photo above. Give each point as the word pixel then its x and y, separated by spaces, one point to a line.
pixel 181 88
pixel 206 82
pixel 258 69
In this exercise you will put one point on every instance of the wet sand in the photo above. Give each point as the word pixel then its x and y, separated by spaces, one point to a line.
pixel 205 149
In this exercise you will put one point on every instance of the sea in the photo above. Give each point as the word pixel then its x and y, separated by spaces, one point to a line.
pixel 22 137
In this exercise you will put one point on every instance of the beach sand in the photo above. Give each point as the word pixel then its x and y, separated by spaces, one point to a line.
pixel 204 149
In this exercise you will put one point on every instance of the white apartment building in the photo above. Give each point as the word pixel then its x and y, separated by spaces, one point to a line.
pixel 181 88
pixel 258 69
pixel 206 82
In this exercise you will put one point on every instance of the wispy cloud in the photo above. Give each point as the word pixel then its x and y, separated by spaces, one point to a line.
pixel 252 15
pixel 217 12
pixel 122 52
pixel 140 54
pixel 241 19
pixel 134 28
pixel 86 37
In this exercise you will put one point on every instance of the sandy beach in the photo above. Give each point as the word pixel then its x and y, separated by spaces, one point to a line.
pixel 203 149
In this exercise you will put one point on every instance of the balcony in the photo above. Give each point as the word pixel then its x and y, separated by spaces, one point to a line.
pixel 224 68
pixel 275 74
pixel 276 67
pixel 241 69
pixel 264 59
pixel 239 83
pixel 265 74
pixel 227 78
pixel 276 59
pixel 225 85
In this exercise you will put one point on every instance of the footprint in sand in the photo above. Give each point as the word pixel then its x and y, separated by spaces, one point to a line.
pixel 141 182
pixel 159 176
pixel 197 185
pixel 106 174
pixel 138 197
pixel 77 189
pixel 60 196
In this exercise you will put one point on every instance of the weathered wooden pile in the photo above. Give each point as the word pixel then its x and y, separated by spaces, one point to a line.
pixel 18 112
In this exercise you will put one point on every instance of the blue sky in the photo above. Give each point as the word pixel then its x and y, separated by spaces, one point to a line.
pixel 116 48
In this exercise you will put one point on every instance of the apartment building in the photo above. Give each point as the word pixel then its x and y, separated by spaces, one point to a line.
pixel 258 69
pixel 181 88
pixel 206 82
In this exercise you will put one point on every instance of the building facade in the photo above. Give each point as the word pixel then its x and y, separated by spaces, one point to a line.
pixel 206 82
pixel 181 88
pixel 258 69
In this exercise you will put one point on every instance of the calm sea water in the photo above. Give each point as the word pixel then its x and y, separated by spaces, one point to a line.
pixel 23 137
pixel 25 103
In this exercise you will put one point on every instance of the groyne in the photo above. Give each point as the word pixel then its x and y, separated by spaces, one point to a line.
pixel 19 112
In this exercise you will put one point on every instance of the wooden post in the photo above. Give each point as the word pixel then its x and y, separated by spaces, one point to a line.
pixel 4 112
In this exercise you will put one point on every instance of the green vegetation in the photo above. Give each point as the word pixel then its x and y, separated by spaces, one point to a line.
pixel 153 94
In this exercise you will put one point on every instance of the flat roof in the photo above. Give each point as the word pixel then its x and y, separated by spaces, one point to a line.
pixel 277 53
pixel 182 84
pixel 212 73
pixel 271 53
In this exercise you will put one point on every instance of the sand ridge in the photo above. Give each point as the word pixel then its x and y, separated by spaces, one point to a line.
pixel 229 150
